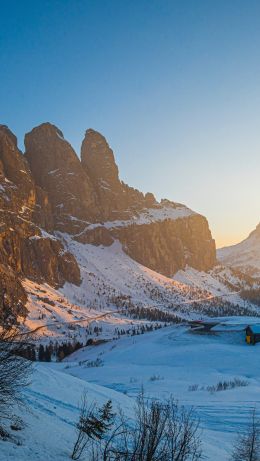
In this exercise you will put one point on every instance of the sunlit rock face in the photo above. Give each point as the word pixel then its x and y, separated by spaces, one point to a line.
pixel 165 245
pixel 24 210
pixel 49 190
pixel 170 245
pixel 13 297
pixel 58 171
pixel 116 199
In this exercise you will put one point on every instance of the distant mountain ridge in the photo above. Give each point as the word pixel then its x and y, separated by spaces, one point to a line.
pixel 245 255
pixel 49 191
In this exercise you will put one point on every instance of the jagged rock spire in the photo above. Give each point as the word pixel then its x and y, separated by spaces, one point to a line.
pixel 58 170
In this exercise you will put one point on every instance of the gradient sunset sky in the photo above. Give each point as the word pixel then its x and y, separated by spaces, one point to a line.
pixel 173 85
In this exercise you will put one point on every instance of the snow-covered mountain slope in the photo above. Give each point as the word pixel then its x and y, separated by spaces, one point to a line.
pixel 52 317
pixel 111 278
pixel 173 361
pixel 112 285
pixel 245 255
pixel 222 282
pixel 51 412
pixel 117 293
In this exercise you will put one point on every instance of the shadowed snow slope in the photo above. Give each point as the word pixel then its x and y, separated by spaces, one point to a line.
pixel 172 361
pixel 50 415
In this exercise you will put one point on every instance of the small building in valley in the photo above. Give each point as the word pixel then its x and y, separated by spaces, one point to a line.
pixel 253 334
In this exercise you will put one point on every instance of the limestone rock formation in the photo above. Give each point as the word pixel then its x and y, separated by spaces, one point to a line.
pixel 116 199
pixel 24 209
pixel 12 296
pixel 58 171
pixel 165 238
pixel 170 245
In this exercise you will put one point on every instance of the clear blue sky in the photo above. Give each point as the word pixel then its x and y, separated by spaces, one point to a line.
pixel 173 85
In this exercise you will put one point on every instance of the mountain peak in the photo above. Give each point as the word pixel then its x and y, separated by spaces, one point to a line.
pixel 5 130
pixel 98 159
pixel 257 229
pixel 47 129
pixel 57 170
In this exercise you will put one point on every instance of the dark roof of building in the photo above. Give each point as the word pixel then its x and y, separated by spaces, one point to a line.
pixel 255 329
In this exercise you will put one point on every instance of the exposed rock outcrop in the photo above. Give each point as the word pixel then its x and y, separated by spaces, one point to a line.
pixel 116 199
pixel 165 238
pixel 44 259
pixel 58 171
pixel 24 209
pixel 12 296
pixel 170 245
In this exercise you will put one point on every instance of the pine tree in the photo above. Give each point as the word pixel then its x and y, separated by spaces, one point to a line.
pixel 93 425
pixel 47 354
pixel 41 355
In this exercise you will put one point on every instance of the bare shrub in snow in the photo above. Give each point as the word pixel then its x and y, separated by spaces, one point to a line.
pixel 14 372
pixel 247 445
pixel 156 378
pixel 193 388
pixel 226 385
pixel 94 363
pixel 159 432
pixel 220 386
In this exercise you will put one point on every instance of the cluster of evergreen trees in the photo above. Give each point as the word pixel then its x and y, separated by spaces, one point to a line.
pixel 139 330
pixel 152 314
pixel 58 351
pixel 253 296
pixel 220 308
pixel 66 349
pixel 27 352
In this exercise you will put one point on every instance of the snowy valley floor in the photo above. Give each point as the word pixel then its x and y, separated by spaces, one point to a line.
pixel 164 362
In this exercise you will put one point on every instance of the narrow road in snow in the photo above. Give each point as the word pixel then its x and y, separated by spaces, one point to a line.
pixel 92 319
pixel 87 319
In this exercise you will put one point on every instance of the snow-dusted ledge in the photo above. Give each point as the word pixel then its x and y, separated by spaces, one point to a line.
pixel 149 216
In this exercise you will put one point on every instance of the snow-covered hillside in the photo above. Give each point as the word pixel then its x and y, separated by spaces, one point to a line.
pixel 222 282
pixel 245 255
pixel 111 277
pixel 172 361
pixel 51 412
pixel 114 285
pixel 183 363
pixel 52 317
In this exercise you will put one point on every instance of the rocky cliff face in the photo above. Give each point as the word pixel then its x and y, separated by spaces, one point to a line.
pixel 50 189
pixel 58 171
pixel 24 247
pixel 166 244
pixel 116 199
pixel 170 245
pixel 164 238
